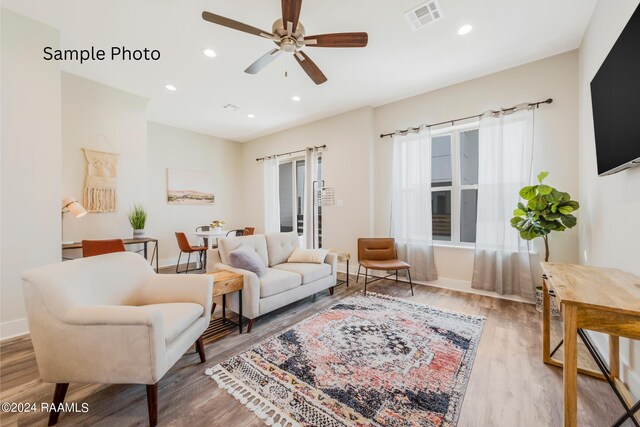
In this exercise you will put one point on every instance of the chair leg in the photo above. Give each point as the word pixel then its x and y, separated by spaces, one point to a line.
pixel 213 307
pixel 366 275
pixel 410 282
pixel 178 264
pixel 152 403
pixel 358 276
pixel 396 276
pixel 200 349
pixel 331 290
pixel 204 260
pixel 250 325
pixel 188 262
pixel 58 397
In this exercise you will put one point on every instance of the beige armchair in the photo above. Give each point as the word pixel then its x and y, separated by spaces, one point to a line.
pixel 110 319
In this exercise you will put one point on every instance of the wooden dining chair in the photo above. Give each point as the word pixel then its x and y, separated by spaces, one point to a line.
pixel 185 246
pixel 101 247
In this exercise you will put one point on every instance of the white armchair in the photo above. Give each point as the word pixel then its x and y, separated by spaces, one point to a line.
pixel 110 319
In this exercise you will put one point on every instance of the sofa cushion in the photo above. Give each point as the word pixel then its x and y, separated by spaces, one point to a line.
pixel 278 281
pixel 280 246
pixel 309 272
pixel 315 256
pixel 247 259
pixel 256 242
pixel 176 317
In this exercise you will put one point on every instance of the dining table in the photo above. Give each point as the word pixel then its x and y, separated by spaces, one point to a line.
pixel 211 237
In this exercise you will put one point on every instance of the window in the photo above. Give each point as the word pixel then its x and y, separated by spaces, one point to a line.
pixel 292 182
pixel 454 184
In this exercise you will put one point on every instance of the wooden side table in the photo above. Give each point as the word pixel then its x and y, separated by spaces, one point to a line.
pixel 225 282
pixel 343 256
pixel 599 299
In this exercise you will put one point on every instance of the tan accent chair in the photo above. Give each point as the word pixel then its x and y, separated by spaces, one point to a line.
pixel 380 254
pixel 111 319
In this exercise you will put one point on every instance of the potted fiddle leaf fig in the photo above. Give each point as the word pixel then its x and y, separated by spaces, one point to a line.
pixel 545 210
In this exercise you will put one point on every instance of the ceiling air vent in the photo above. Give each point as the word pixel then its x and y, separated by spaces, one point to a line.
pixel 231 107
pixel 423 15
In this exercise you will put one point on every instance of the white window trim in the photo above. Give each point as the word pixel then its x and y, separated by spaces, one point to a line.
pixel 456 187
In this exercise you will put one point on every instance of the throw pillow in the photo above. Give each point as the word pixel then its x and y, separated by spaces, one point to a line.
pixel 316 256
pixel 247 259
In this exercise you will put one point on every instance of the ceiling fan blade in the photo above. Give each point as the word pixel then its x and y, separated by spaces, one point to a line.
pixel 262 62
pixel 230 23
pixel 337 40
pixel 310 68
pixel 291 13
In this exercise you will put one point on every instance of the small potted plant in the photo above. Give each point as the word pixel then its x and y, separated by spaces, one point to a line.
pixel 137 219
pixel 217 225
pixel 546 210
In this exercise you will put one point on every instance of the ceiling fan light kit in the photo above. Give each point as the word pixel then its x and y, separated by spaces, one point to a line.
pixel 288 34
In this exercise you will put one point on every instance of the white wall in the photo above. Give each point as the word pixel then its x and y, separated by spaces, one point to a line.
pixel 170 147
pixel 102 118
pixel 555 145
pixel 346 165
pixel 30 161
pixel 609 228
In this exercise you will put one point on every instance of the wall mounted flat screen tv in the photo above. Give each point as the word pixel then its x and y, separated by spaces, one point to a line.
pixel 615 99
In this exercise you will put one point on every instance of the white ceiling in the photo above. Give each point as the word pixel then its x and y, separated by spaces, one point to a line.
pixel 397 63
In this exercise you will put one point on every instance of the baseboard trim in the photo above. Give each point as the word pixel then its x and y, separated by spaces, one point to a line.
pixel 454 285
pixel 13 328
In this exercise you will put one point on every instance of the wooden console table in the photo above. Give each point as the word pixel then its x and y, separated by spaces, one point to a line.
pixel 599 299
pixel 144 241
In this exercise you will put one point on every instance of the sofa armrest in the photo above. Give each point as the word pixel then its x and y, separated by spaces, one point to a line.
pixel 112 315
pixel 250 291
pixel 332 260
pixel 171 288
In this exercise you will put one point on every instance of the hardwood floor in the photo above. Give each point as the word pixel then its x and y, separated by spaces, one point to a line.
pixel 509 384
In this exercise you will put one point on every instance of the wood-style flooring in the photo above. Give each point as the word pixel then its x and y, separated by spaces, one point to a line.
pixel 509 384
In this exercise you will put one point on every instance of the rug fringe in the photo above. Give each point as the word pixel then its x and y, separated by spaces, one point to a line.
pixel 262 408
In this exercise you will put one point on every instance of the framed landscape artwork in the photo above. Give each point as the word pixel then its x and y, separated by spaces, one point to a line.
pixel 185 187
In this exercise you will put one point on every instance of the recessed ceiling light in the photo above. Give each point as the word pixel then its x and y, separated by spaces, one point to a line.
pixel 172 88
pixel 209 52
pixel 465 29
pixel 296 98
pixel 251 116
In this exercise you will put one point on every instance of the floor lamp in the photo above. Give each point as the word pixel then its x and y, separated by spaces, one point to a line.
pixel 71 205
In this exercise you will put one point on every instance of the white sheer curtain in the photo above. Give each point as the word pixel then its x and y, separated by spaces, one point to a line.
pixel 271 195
pixel 411 203
pixel 310 233
pixel 502 258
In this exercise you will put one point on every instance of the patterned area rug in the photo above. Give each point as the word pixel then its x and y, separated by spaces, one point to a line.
pixel 366 361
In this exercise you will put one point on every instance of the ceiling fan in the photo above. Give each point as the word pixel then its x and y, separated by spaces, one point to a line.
pixel 288 34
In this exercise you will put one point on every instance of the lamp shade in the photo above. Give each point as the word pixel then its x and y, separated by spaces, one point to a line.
pixel 73 206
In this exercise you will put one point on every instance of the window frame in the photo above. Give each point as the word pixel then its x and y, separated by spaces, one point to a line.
pixel 294 188
pixel 456 187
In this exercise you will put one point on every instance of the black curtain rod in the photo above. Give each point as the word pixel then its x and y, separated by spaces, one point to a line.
pixel 290 153
pixel 405 131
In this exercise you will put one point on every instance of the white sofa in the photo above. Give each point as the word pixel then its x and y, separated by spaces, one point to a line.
pixel 283 283
pixel 111 319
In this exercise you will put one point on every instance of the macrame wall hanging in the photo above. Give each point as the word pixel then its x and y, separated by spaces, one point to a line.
pixel 101 185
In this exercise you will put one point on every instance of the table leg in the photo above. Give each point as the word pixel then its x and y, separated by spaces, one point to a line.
pixel 240 309
pixel 546 323
pixel 570 378
pixel 347 273
pixel 145 251
pixel 614 356
pixel 157 251
pixel 224 306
